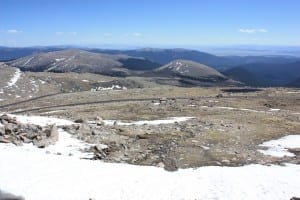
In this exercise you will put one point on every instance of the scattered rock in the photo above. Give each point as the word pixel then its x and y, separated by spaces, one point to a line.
pixel 295 198
pixel 219 95
pixel 17 133
pixel 294 150
pixel 79 121
pixel 163 100
pixel 144 136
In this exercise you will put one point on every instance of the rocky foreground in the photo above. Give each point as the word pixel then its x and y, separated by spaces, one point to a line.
pixel 17 133
pixel 170 146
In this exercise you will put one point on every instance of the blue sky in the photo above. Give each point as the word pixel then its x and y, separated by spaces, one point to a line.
pixel 149 22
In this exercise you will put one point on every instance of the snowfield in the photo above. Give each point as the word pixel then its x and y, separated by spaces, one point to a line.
pixel 35 175
pixel 170 120
pixel 279 147
pixel 42 121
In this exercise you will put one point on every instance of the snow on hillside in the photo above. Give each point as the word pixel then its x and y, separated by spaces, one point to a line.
pixel 35 175
pixel 15 78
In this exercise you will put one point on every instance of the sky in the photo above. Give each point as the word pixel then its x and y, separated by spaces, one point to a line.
pixel 149 22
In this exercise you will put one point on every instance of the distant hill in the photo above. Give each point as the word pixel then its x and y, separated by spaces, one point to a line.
pixel 295 83
pixel 266 74
pixel 244 76
pixel 11 53
pixel 82 61
pixel 190 69
pixel 189 73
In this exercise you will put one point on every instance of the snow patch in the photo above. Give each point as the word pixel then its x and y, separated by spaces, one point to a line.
pixel 68 146
pixel 41 121
pixel 59 59
pixel 42 82
pixel 27 61
pixel 33 174
pixel 170 120
pixel 53 111
pixel 36 175
pixel 279 147
pixel 226 108
pixel 113 87
pixel 274 109
pixel 15 78
pixel 232 108
pixel 85 81
pixel 293 92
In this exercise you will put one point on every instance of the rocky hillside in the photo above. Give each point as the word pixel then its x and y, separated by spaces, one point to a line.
pixel 82 61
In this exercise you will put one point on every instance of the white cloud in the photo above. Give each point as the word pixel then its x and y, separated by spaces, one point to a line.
pixel 59 33
pixel 107 34
pixel 73 33
pixel 249 30
pixel 137 34
pixel 14 31
pixel 262 30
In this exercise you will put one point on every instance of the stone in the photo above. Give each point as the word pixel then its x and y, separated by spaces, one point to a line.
pixel 98 118
pixel 42 142
pixel 294 150
pixel 101 147
pixel 54 133
pixel 24 138
pixel 84 129
pixel 17 142
pixel 9 128
pixel 219 95
pixel 79 121
pixel 225 161
pixel 96 132
pixel 3 140
pixel 170 164
pixel 2 130
pixel 142 137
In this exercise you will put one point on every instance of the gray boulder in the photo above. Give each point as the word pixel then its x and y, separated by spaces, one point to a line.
pixel 8 196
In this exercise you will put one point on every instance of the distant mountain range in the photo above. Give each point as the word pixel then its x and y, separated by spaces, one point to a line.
pixel 266 74
pixel 178 72
pixel 295 83
pixel 80 61
pixel 260 71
